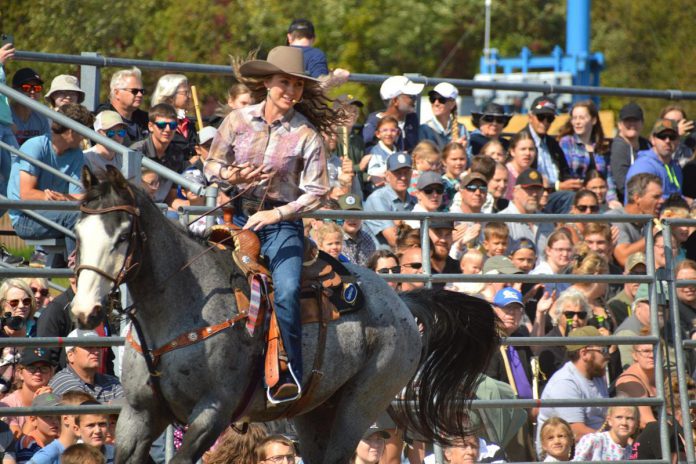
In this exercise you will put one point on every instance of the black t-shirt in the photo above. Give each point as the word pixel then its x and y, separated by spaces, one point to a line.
pixel 451 267
pixel 647 445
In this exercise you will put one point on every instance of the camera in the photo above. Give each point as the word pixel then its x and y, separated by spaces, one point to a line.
pixel 11 322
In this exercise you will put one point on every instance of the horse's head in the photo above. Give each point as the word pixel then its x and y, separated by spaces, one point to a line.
pixel 107 237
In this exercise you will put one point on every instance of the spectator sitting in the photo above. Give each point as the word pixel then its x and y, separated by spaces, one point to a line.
pixel 35 370
pixel 429 191
pixel 64 89
pixel 205 140
pixel 497 187
pixel 6 132
pixel 411 262
pixel 330 240
pixel 109 124
pixel 342 178
pixel 614 444
pixel 496 236
pixel 275 446
pixel 125 97
pixel 582 377
pixel 440 234
pixel 494 150
pixel 627 143
pixel 399 95
pixel 677 113
pixel 472 195
pixel 686 296
pixel 584 202
pixel 82 372
pixel 598 237
pixel 358 243
pixel 92 429
pixel 81 453
pixel 455 162
pixel 587 262
pixel 596 183
pixel 351 144
pixel 150 182
pixel 371 446
pixel 489 124
pixel 638 380
pixel 522 154
pixel 234 447
pixel 157 147
pixel 239 96
pixel 620 306
pixel 497 265
pixel 444 123
pixel 525 200
pixel 523 254
pixel 174 89
pixel 393 196
pixel 385 262
pixel 676 207
pixel 426 158
pixel 644 196
pixel 558 254
pixel 197 224
pixel 39 431
pixel 557 441
pixel 27 122
pixel 375 162
pixel 470 449
pixel 42 294
pixel 636 322
pixel 659 159
pixel 471 263
pixel 61 151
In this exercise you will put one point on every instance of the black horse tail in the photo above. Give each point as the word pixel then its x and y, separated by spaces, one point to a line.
pixel 460 336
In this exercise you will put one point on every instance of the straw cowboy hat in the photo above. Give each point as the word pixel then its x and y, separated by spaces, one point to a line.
pixel 281 60
pixel 491 109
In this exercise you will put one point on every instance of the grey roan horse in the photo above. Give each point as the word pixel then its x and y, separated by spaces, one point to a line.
pixel 370 355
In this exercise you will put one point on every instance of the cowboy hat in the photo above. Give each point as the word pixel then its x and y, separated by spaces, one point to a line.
pixel 491 109
pixel 281 60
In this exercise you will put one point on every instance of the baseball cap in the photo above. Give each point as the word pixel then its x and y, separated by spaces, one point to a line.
pixel 472 176
pixel 631 111
pixel 107 120
pixel 64 82
pixel 663 125
pixel 522 244
pixel 35 355
pixel 530 178
pixel 348 99
pixel 46 400
pixel 376 428
pixel 25 75
pixel 399 160
pixel 445 89
pixel 349 202
pixel 587 331
pixel 543 105
pixel 500 265
pixel 428 178
pixel 301 24
pixel 79 333
pixel 399 85
pixel 506 296
pixel 634 259
pixel 206 135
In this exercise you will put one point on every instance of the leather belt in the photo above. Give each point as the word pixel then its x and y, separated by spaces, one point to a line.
pixel 250 206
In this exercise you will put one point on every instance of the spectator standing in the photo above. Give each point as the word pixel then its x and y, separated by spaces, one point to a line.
pixel 444 128
pixel 399 95
pixel 174 89
pixel 111 125
pixel 64 89
pixel 125 97
pixel 659 159
pixel 489 123
pixel 27 122
pixel 358 243
pixel 627 144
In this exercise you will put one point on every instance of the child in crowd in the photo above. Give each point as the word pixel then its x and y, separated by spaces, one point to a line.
pixel 495 239
pixel 614 444
pixel 523 254
pixel 471 263
pixel 330 239
pixel 92 429
pixel 150 181
pixel 455 163
pixel 39 431
pixel 426 157
pixel 375 162
pixel 495 150
pixel 205 140
pixel 80 453
pixel 557 440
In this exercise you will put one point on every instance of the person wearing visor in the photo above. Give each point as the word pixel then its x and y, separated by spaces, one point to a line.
pixel 111 125
pixel 444 127
pixel 489 124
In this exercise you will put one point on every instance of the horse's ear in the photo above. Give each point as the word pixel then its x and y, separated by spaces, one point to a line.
pixel 115 176
pixel 89 180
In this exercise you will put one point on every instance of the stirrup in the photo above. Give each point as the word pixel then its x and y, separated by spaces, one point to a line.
pixel 272 400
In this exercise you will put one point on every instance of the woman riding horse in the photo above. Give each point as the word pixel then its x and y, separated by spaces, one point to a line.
pixel 273 155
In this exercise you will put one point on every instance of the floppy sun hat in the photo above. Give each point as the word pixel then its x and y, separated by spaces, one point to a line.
pixel 280 60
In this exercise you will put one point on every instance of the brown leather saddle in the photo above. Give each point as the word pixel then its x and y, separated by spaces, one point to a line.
pixel 328 289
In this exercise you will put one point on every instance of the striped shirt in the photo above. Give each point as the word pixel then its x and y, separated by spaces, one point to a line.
pixel 289 147
pixel 104 389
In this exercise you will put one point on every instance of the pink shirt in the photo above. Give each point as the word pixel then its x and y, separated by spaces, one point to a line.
pixel 14 400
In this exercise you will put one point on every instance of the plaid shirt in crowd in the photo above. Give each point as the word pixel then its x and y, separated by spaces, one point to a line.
pixel 580 161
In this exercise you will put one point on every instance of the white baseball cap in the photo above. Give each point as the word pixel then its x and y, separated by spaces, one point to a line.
pixel 206 135
pixel 108 119
pixel 399 85
pixel 445 89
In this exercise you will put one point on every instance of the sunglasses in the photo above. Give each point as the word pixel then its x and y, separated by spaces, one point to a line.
pixel 15 303
pixel 415 266
pixel 497 119
pixel 36 88
pixel 389 270
pixel 111 133
pixel 474 187
pixel 430 190
pixel 571 314
pixel 338 222
pixel 670 137
pixel 586 208
pixel 546 117
pixel 163 125
pixel 440 98
pixel 135 91
pixel 42 291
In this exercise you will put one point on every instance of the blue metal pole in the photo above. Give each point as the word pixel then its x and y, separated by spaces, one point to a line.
pixel 578 41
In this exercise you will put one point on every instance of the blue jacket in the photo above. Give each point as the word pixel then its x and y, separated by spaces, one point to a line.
pixel 315 63
pixel 670 174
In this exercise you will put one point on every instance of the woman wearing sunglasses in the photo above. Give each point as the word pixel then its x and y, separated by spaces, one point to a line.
pixel 109 124
pixel 385 262
pixel 489 126
pixel 39 287
pixel 444 127
pixel 584 202
pixel 18 307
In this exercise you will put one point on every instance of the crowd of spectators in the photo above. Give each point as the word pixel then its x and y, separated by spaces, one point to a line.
pixel 391 163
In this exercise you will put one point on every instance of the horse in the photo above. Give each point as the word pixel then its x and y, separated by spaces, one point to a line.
pixel 429 347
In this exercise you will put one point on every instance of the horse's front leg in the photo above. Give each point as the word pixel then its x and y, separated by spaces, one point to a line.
pixel 135 432
pixel 208 420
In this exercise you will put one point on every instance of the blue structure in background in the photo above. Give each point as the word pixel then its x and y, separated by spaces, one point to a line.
pixel 584 66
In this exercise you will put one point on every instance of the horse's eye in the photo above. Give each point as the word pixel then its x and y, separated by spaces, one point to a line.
pixel 123 238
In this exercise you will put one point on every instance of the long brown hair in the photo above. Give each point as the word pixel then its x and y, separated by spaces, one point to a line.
pixel 237 448
pixel 314 105
pixel 597 135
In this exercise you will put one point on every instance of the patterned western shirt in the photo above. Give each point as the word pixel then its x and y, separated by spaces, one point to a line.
pixel 289 147
pixel 580 161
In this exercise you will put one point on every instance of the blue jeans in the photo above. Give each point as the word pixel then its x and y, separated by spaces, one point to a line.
pixel 283 246
pixel 30 229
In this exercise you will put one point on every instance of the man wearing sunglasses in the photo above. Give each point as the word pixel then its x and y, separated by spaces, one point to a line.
pixel 581 378
pixel 659 159
pixel 125 97
pixel 111 125
pixel 28 123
